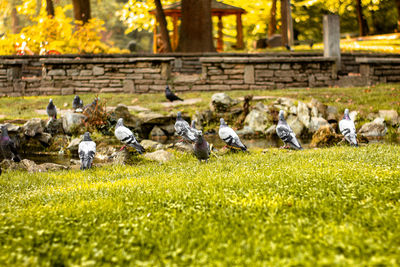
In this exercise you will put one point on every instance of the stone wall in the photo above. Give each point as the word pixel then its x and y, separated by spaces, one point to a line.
pixel 379 70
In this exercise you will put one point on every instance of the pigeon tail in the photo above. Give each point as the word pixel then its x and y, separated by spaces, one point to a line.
pixel 139 148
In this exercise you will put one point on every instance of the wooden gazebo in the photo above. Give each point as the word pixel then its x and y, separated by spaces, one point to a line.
pixel 217 9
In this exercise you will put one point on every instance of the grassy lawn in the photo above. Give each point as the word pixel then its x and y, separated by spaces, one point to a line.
pixel 315 207
pixel 360 98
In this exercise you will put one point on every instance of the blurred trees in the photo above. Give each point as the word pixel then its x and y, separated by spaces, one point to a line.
pixel 81 10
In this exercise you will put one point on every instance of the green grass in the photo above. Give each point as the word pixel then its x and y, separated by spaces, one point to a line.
pixel 336 206
pixel 360 98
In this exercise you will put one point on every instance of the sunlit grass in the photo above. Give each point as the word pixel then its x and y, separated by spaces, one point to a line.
pixel 337 206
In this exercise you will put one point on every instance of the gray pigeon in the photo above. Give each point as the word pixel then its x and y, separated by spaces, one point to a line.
pixel 126 136
pixel 86 151
pixel 183 129
pixel 170 95
pixel 77 103
pixel 201 147
pixel 229 136
pixel 7 146
pixel 51 110
pixel 285 133
pixel 348 129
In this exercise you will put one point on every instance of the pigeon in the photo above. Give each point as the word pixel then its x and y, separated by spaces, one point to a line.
pixel 347 128
pixel 286 134
pixel 51 110
pixel 201 147
pixel 126 136
pixel 77 103
pixel 86 151
pixel 228 135
pixel 7 145
pixel 170 95
pixel 183 129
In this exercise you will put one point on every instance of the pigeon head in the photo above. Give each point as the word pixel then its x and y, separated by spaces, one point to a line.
pixel 167 88
pixel 222 121
pixel 281 115
pixel 346 114
pixel 179 115
pixel 86 137
pixel 120 122
pixel 51 100
pixel 76 98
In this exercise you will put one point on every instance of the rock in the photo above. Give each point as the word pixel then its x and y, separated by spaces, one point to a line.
pixel 74 145
pixel 303 114
pixel 391 117
pixel 293 110
pixel 33 127
pixel 31 166
pixel 156 118
pixel 295 124
pixel 315 112
pixel 121 157
pixel 372 116
pixel 44 138
pixel 54 127
pixel 271 131
pixel 160 156
pixel 318 107
pixel 325 136
pixel 247 130
pixel 156 132
pixel 52 167
pixel 354 116
pixel 122 111
pixel 376 128
pixel 75 161
pixel 316 123
pixel 12 127
pixel 257 120
pixel 170 129
pixel 284 101
pixel 72 121
pixel 221 102
pixel 332 114
pixel 151 145
pixel 203 118
pixel 181 146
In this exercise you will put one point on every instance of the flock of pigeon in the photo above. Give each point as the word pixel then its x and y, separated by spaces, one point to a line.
pixel 189 133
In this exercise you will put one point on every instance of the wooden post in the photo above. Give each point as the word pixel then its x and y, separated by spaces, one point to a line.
pixel 155 37
pixel 220 41
pixel 287 23
pixel 175 32
pixel 239 31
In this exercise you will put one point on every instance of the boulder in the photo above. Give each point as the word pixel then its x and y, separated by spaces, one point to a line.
pixel 12 127
pixel 332 114
pixel 170 129
pixel 246 131
pixel 72 121
pixel 156 118
pixel 303 114
pixel 122 111
pixel 295 124
pixel 284 101
pixel 257 120
pixel 160 156
pixel 33 127
pixel 183 147
pixel 271 131
pixel 221 102
pixel 391 117
pixel 74 145
pixel 54 127
pixel 372 116
pixel 316 123
pixel 376 128
pixel 157 132
pixel 318 107
pixel 151 145
pixel 203 118
pixel 325 136
pixel 31 166
pixel 44 138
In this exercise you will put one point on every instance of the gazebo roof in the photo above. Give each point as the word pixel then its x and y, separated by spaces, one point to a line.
pixel 216 8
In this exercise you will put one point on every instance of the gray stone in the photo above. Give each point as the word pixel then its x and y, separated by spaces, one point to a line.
pixel 74 145
pixel 56 72
pixel 31 166
pixel 257 120
pixel 391 117
pixel 44 138
pixel 317 108
pixel 221 102
pixel 157 132
pixel 151 145
pixel 372 116
pixel 246 131
pixel 71 121
pixel 284 101
pixel 54 127
pixel 184 147
pixel 376 128
pixel 295 124
pixel 122 111
pixel 332 114
pixel 275 40
pixel 316 123
pixel 98 70
pixel 170 129
pixel 303 114
pixel 155 118
pixel 160 156
pixel 249 77
pixel 12 127
pixel 33 127
pixel 354 116
pixel 293 110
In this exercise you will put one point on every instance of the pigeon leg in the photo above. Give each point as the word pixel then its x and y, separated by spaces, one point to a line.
pixel 122 148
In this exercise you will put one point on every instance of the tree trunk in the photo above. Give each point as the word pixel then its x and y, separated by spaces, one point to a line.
pixel 50 8
pixel 284 20
pixel 362 23
pixel 272 20
pixel 196 27
pixel 14 21
pixel 81 10
pixel 397 2
pixel 166 42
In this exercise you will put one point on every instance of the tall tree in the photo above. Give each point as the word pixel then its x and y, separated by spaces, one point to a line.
pixel 272 19
pixel 81 10
pixel 196 27
pixel 362 23
pixel 50 8
pixel 163 27
pixel 398 13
